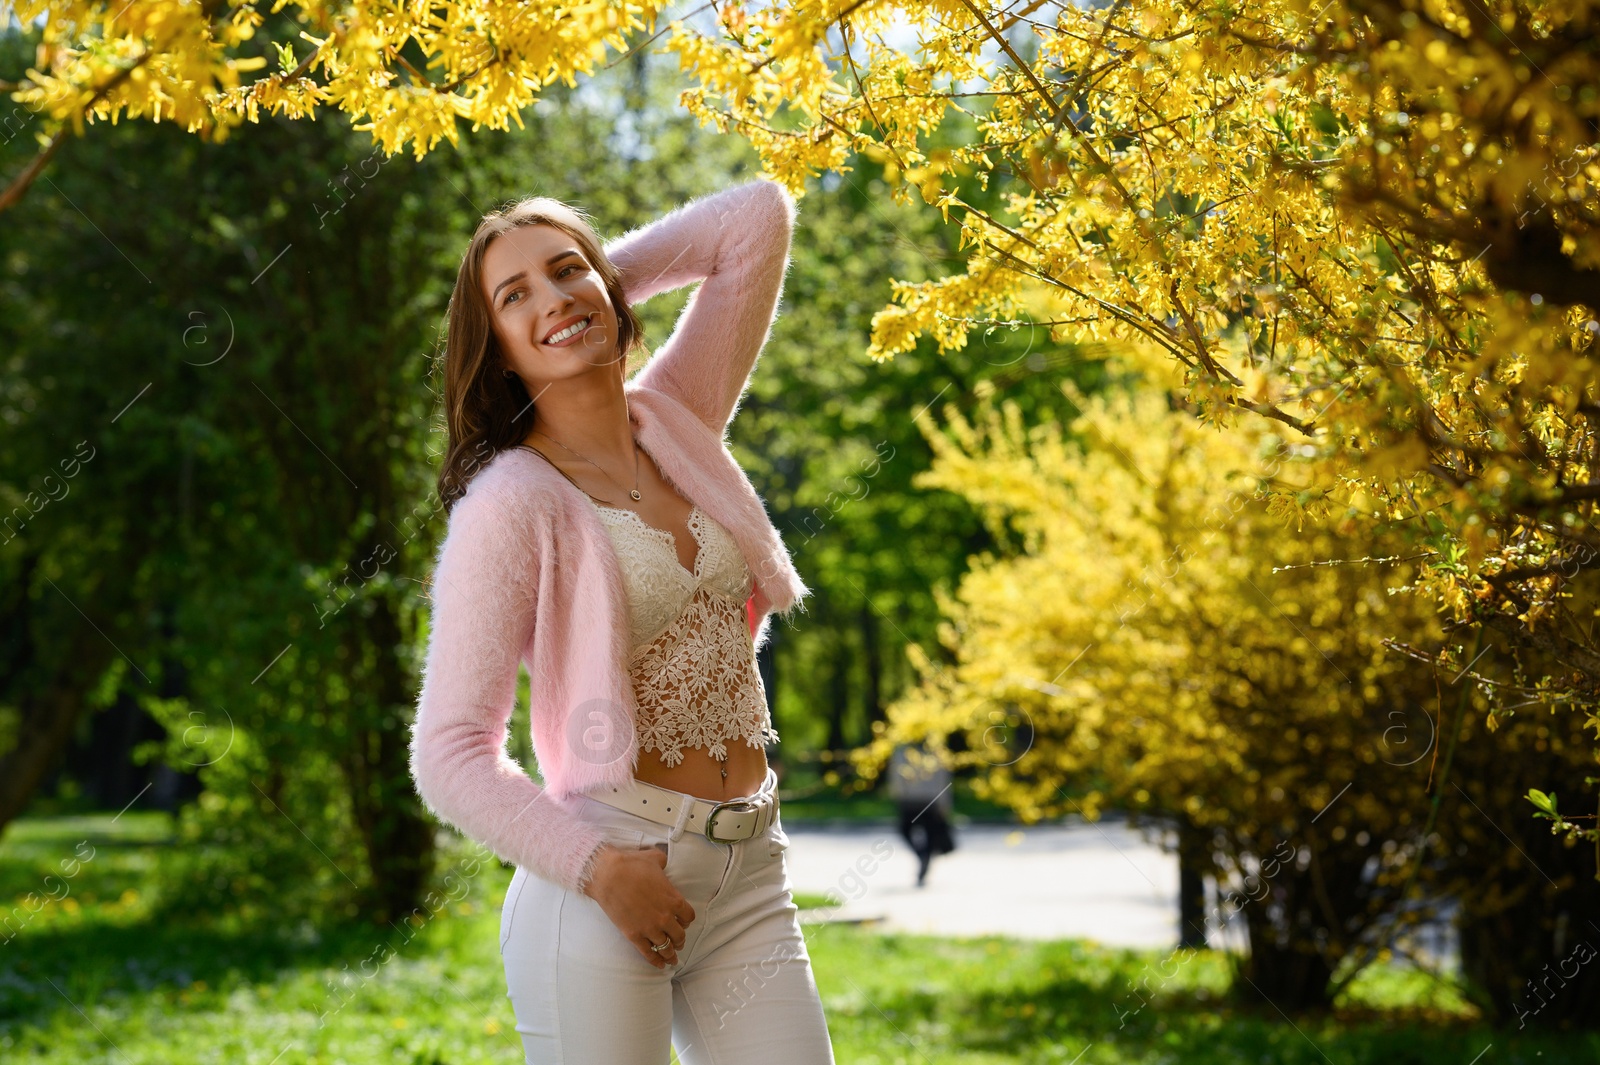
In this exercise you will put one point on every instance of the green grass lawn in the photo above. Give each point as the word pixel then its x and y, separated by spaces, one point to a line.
pixel 90 977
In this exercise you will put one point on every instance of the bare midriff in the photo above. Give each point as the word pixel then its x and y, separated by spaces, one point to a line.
pixel 700 775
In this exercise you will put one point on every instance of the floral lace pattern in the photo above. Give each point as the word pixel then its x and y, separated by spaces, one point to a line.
pixel 693 662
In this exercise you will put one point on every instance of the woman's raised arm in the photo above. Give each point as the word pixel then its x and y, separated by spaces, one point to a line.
pixel 736 243
pixel 484 596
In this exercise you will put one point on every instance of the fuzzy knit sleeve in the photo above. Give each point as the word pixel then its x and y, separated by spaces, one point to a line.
pixel 484 591
pixel 736 244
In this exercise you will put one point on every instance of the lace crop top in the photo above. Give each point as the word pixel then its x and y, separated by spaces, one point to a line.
pixel 693 662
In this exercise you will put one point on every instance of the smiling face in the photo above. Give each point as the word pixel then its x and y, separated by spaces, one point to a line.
pixel 548 305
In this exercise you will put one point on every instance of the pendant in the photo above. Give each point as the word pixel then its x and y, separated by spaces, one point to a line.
pixel 635 494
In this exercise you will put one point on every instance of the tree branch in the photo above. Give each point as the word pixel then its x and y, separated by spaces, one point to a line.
pixel 23 181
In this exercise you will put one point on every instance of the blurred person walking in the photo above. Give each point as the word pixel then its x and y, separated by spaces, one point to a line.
pixel 921 787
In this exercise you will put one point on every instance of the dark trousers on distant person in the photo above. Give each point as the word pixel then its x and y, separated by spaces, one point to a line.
pixel 926 831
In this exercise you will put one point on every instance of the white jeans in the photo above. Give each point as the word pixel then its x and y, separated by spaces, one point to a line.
pixel 742 990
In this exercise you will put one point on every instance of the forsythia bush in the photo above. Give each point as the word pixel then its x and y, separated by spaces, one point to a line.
pixel 1155 640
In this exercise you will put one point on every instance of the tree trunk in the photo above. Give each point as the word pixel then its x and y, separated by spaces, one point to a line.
pixel 838 696
pixel 872 649
pixel 1194 859
pixel 1286 972
pixel 1301 922
pixel 49 696
pixel 399 838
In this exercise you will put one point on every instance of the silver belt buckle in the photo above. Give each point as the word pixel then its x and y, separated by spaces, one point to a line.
pixel 711 818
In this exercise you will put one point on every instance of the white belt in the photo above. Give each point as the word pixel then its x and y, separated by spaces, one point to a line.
pixel 721 822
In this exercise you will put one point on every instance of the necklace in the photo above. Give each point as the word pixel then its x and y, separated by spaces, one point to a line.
pixel 634 493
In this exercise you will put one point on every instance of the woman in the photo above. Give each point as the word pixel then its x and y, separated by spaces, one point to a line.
pixel 601 533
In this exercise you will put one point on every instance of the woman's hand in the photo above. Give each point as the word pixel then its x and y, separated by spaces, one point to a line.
pixel 632 888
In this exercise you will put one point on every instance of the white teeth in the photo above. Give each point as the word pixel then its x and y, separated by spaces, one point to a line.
pixel 571 331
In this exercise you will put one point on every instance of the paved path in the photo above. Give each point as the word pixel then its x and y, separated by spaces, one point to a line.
pixel 1093 881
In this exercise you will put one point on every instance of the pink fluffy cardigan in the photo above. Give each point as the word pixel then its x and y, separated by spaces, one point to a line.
pixel 527 573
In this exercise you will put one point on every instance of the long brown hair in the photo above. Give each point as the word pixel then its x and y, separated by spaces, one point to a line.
pixel 485 411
